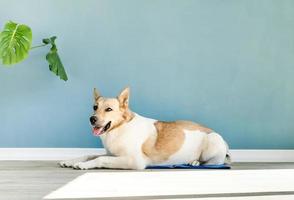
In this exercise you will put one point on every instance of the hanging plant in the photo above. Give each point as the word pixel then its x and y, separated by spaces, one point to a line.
pixel 15 45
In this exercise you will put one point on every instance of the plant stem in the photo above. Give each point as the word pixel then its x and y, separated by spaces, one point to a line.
pixel 42 45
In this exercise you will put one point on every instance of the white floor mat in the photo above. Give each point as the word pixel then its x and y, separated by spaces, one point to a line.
pixel 273 197
pixel 177 184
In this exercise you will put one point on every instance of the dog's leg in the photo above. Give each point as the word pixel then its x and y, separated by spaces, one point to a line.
pixel 71 162
pixel 217 160
pixel 112 163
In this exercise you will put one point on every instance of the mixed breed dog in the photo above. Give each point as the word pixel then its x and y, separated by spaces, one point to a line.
pixel 135 142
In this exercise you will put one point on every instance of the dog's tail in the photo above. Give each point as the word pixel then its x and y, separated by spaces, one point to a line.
pixel 228 160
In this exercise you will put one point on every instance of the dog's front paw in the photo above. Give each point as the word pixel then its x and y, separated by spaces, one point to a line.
pixel 81 165
pixel 66 163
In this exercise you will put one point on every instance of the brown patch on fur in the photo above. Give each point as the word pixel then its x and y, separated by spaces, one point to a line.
pixel 188 125
pixel 169 139
pixel 128 116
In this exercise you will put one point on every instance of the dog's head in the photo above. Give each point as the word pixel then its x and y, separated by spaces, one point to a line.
pixel 110 113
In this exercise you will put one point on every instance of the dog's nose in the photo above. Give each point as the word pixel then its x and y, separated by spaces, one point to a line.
pixel 93 119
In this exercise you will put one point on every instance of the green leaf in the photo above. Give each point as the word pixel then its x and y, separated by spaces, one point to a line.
pixel 55 64
pixel 15 43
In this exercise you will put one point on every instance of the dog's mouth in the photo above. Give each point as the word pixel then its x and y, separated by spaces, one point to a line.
pixel 99 130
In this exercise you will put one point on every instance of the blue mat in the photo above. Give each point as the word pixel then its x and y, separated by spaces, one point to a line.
pixel 188 166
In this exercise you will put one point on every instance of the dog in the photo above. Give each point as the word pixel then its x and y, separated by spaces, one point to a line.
pixel 135 142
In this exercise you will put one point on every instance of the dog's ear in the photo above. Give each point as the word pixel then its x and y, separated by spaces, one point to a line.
pixel 123 97
pixel 96 94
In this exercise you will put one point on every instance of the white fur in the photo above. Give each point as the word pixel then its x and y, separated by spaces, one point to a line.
pixel 124 147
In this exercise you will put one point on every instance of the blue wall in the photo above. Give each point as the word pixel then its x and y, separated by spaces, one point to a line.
pixel 224 63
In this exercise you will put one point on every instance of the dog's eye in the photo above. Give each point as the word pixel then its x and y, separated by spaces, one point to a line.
pixel 95 107
pixel 108 109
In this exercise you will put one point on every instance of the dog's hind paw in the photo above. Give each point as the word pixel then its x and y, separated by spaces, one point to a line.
pixel 195 163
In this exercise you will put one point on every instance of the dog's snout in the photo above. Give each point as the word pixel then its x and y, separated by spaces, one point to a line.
pixel 93 120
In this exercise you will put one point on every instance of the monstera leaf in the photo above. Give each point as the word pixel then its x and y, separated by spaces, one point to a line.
pixel 55 64
pixel 15 43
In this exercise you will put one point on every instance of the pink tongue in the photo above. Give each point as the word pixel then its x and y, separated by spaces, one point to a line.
pixel 97 131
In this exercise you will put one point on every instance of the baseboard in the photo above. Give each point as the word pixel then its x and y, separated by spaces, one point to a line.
pixel 262 155
pixel 238 155
pixel 46 153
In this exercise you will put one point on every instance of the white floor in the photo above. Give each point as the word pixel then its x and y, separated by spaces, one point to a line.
pixel 177 184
